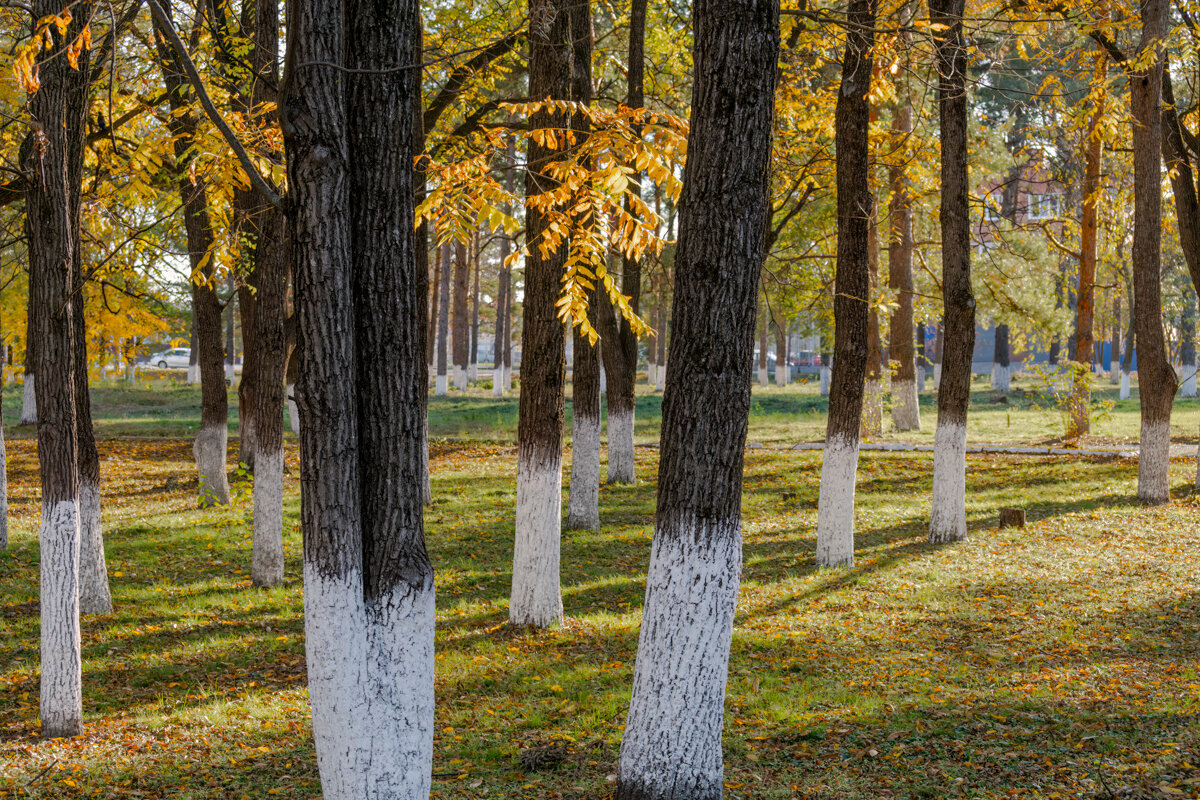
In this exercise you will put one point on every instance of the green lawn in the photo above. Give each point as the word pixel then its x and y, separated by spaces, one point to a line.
pixel 1046 662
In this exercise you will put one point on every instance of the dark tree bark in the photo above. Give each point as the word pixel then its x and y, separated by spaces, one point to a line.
pixel 461 328
pixel 52 232
pixel 835 507
pixel 906 409
pixel 1156 376
pixel 620 344
pixel 211 443
pixel 672 741
pixel 949 518
pixel 583 498
pixel 368 582
pixel 536 598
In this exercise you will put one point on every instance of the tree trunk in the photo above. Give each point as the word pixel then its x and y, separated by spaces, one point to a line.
pixel 52 233
pixel 839 464
pixel 872 412
pixel 826 366
pixel 948 521
pixel 501 349
pixel 763 328
pixel 939 335
pixel 369 594
pixel 462 333
pixel 1114 356
pixel 473 367
pixel 1079 418
pixel 536 597
pixel 672 741
pixel 193 370
pixel 1001 360
pixel 1130 346
pixel 247 305
pixel 652 339
pixel 924 367
pixel 29 396
pixel 1187 345
pixel 660 372
pixel 434 308
pixel 443 330
pixel 1156 377
pixel 906 407
pixel 781 365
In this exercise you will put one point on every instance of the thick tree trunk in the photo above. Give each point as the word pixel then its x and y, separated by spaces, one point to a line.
pixel 948 521
pixel 1001 360
pixel 369 595
pixel 1156 377
pixel 839 464
pixel 672 741
pixel 906 408
pixel 443 324
pixel 462 333
pixel 536 597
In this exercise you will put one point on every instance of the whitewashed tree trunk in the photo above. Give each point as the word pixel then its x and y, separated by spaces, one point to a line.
pixel 507 379
pixel 61 703
pixel 764 379
pixel 498 381
pixel 472 372
pixel 370 678
pixel 583 497
pixel 948 520
pixel 835 505
pixel 660 377
pixel 826 372
pixel 266 563
pixel 937 376
pixel 672 743
pixel 1125 385
pixel 29 402
pixel 1001 378
pixel 293 412
pixel 1114 370
pixel 442 386
pixel 193 374
pixel 1154 459
pixel 1187 388
pixel 781 374
pixel 536 597
pixel 460 378
pixel 209 450
pixel 620 447
pixel 906 407
pixel 921 378
pixel 94 594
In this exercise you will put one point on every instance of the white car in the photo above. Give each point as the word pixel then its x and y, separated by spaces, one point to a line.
pixel 175 358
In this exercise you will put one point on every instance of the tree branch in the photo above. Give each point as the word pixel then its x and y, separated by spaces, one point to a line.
pixel 460 74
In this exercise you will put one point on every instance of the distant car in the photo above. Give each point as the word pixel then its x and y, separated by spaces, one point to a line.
pixel 805 358
pixel 175 358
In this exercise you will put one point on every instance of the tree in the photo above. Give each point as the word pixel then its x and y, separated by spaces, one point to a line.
pixel 1156 376
pixel 462 335
pixel 839 465
pixel 948 521
pixel 906 407
pixel 536 597
pixel 672 742
pixel 369 592
pixel 52 229
pixel 443 321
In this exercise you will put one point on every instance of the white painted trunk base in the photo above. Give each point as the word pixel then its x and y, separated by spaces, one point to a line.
pixel 1187 386
pixel 621 468
pixel 1114 372
pixel 603 381
pixel 266 559
pixel 209 450
pixel 370 682
pixel 94 595
pixel 906 407
pixel 193 374
pixel 835 505
pixel 442 386
pixel 672 741
pixel 1124 392
pixel 651 375
pixel 872 408
pixel 764 378
pixel 660 377
pixel 508 380
pixel 293 409
pixel 473 372
pixel 460 378
pixel 921 379
pixel 230 375
pixel 781 375
pixel 948 519
pixel 498 382
pixel 826 376
pixel 583 496
pixel 1001 378
pixel 937 376
pixel 1154 463
pixel 536 597
pixel 61 702
pixel 29 402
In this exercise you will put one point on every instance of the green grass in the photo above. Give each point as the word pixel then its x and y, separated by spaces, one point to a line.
pixel 1044 662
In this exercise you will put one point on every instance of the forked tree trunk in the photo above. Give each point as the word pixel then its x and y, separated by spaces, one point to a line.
pixel 1156 377
pixel 906 408
pixel 1001 360
pixel 839 464
pixel 52 231
pixel 536 597
pixel 462 333
pixel 443 323
pixel 948 521
pixel 672 741
pixel 369 594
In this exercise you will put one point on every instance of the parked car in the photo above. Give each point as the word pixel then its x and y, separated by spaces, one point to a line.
pixel 805 358
pixel 175 358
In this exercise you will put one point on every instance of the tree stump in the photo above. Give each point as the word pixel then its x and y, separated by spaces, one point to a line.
pixel 1012 518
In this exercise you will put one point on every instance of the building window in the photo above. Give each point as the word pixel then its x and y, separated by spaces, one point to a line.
pixel 1043 206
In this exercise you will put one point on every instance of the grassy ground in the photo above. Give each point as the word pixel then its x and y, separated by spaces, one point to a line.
pixel 1047 662
pixel 1027 415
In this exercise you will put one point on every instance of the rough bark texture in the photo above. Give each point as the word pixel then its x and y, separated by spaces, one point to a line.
pixel 536 597
pixel 906 409
pixel 948 520
pixel 835 506
pixel 672 741
pixel 52 233
pixel 1156 377
pixel 368 581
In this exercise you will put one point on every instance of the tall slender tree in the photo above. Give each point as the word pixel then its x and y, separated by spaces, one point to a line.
pixel 461 325
pixel 906 408
pixel 839 466
pixel 672 742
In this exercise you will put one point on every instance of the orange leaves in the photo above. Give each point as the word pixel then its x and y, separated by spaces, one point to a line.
pixel 25 66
